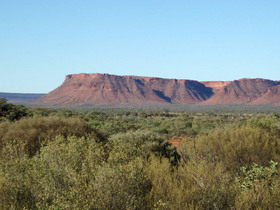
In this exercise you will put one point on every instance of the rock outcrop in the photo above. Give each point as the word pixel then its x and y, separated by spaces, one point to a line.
pixel 215 85
pixel 241 91
pixel 106 89
pixel 272 96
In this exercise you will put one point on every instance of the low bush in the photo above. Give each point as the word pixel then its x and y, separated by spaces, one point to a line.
pixel 34 132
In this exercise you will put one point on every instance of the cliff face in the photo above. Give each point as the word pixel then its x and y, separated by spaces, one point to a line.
pixel 215 85
pixel 272 96
pixel 241 91
pixel 106 89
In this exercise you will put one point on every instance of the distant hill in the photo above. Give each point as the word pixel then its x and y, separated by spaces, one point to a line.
pixel 242 91
pixel 272 96
pixel 19 98
pixel 106 89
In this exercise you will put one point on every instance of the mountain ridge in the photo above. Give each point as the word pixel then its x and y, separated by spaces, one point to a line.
pixel 107 89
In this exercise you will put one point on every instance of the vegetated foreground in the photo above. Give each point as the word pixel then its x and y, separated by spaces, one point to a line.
pixel 113 90
pixel 121 159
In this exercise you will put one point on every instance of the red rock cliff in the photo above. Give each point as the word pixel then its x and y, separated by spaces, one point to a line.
pixel 106 89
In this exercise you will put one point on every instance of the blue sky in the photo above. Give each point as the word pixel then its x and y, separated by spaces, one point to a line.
pixel 42 41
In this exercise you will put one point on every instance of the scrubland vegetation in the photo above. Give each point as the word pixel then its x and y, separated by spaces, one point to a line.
pixel 117 159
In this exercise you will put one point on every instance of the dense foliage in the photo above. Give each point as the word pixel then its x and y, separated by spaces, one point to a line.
pixel 10 111
pixel 121 159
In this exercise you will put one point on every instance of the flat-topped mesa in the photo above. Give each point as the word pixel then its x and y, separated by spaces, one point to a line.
pixel 106 89
pixel 82 75
pixel 148 79
pixel 155 79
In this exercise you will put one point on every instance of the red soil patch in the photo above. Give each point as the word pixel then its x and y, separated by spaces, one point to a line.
pixel 176 143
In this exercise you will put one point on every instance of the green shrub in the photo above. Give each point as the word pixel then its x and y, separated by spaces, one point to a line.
pixel 74 173
pixel 10 111
pixel 236 147
pixel 259 187
pixel 200 185
pixel 141 144
pixel 33 132
pixel 14 170
pixel 269 124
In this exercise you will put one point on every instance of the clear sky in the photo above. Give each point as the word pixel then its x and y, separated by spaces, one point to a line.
pixel 42 41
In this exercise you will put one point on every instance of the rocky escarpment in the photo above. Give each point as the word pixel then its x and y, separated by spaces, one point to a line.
pixel 215 85
pixel 241 91
pixel 106 89
pixel 272 96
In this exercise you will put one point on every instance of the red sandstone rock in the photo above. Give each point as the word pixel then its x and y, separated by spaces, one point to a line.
pixel 241 91
pixel 272 96
pixel 105 89
pixel 215 85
